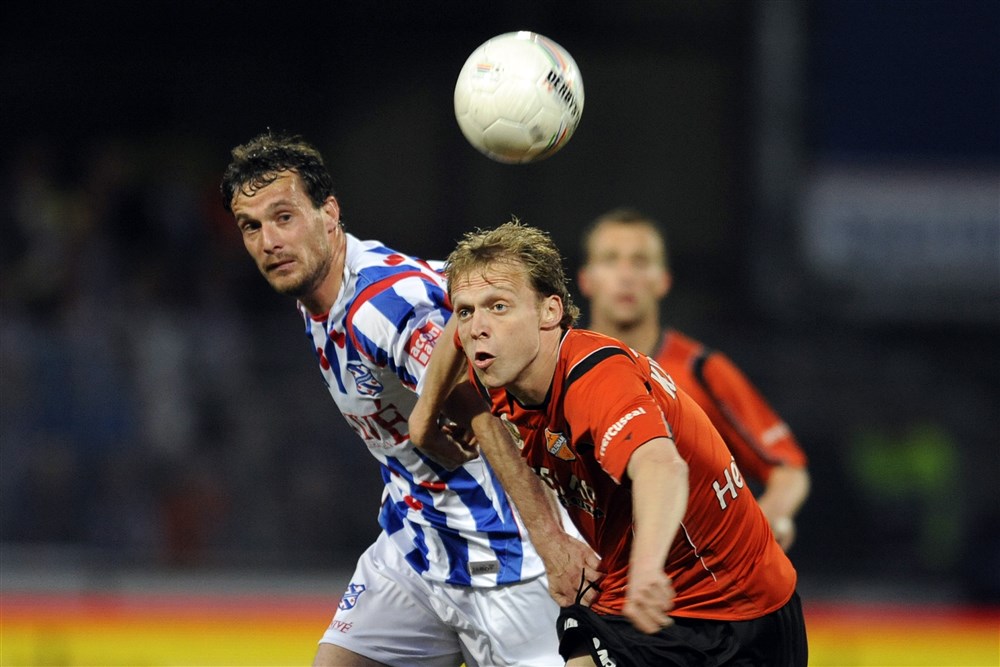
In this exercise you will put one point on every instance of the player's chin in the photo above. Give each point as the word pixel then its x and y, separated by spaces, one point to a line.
pixel 624 311
pixel 289 285
pixel 489 378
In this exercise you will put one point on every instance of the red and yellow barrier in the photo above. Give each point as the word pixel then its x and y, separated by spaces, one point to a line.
pixel 113 630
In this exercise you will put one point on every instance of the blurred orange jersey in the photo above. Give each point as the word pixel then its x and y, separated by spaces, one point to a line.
pixel 755 434
pixel 605 402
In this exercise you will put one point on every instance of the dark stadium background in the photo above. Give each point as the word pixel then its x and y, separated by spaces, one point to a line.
pixel 827 172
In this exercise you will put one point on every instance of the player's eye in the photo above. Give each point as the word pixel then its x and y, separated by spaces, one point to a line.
pixel 463 313
pixel 499 307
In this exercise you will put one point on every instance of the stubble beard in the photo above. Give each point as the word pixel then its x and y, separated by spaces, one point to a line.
pixel 305 284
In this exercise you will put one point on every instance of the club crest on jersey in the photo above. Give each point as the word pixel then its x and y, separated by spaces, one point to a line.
pixel 363 378
pixel 558 446
pixel 351 596
pixel 514 433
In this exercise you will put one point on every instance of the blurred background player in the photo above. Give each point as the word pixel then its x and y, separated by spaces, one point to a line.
pixel 451 577
pixel 692 574
pixel 625 276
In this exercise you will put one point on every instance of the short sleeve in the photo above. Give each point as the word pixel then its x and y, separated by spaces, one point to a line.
pixel 611 406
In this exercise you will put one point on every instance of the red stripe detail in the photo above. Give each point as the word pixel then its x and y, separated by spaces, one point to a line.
pixel 366 294
pixel 434 486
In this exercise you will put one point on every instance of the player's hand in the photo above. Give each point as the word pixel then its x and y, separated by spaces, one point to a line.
pixel 783 528
pixel 570 565
pixel 447 444
pixel 648 598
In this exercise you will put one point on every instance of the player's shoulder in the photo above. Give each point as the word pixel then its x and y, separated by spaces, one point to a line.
pixel 374 263
pixel 368 254
pixel 582 342
pixel 582 349
pixel 681 344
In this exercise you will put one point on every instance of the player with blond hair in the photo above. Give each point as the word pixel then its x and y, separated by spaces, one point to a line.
pixel 693 574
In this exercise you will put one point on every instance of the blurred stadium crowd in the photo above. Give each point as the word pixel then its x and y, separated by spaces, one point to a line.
pixel 131 419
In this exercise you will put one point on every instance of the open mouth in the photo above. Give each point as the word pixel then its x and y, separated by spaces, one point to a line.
pixel 482 360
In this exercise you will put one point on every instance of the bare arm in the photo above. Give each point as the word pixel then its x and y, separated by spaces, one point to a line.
pixel 443 442
pixel 444 371
pixel 566 558
pixel 659 499
pixel 783 495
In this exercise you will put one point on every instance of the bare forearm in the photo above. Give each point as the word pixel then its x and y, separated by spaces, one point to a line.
pixel 535 503
pixel 446 367
pixel 786 490
pixel 659 499
pixel 568 560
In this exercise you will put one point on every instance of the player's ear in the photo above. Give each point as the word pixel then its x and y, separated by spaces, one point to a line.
pixel 583 282
pixel 552 311
pixel 332 209
pixel 665 283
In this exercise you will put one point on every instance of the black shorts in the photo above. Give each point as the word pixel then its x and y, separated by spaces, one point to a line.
pixel 775 640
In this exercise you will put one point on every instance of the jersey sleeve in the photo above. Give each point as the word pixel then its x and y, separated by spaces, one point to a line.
pixel 759 438
pixel 611 406
pixel 399 321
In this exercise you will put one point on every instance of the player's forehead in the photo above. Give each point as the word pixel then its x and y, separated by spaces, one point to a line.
pixel 489 280
pixel 625 238
pixel 273 190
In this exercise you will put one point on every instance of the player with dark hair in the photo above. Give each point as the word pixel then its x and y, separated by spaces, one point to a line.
pixel 693 575
pixel 452 577
pixel 625 276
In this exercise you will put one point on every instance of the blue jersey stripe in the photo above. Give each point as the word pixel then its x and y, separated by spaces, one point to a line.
pixel 511 546
pixel 454 543
pixel 501 528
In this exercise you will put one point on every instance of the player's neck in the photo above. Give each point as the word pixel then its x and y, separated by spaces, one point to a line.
pixel 643 335
pixel 321 300
pixel 532 386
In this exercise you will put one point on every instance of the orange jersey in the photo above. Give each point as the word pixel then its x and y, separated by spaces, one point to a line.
pixel 758 438
pixel 606 401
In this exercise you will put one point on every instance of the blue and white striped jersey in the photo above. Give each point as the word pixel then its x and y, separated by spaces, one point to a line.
pixel 457 527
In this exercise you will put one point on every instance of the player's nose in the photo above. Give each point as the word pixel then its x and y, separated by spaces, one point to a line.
pixel 477 325
pixel 270 238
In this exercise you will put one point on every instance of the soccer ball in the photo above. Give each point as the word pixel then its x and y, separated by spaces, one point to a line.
pixel 519 97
